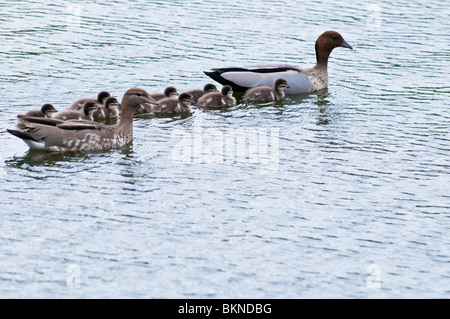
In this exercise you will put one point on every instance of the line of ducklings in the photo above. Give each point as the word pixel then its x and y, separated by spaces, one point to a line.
pixel 106 107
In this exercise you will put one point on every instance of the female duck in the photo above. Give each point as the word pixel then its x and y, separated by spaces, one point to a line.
pixel 83 136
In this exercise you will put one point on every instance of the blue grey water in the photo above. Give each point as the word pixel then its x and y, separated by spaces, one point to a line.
pixel 340 194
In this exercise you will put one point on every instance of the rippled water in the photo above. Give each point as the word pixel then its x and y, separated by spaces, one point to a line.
pixel 340 194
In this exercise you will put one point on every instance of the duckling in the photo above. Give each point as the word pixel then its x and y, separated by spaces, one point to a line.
pixel 171 105
pixel 196 94
pixel 85 114
pixel 47 110
pixel 266 93
pixel 100 100
pixel 109 110
pixel 170 91
pixel 224 98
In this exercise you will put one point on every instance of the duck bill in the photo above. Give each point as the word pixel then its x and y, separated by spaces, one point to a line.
pixel 346 45
pixel 152 101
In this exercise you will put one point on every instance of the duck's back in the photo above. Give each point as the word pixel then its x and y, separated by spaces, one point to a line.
pixel 70 115
pixel 212 100
pixel 168 105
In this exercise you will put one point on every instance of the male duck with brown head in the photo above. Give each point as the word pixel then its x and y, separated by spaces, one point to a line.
pixel 267 93
pixel 300 80
pixel 83 136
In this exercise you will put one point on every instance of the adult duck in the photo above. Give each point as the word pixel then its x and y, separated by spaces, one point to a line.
pixel 83 136
pixel 300 80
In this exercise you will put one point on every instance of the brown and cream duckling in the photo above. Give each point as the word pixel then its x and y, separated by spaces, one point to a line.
pixel 87 113
pixel 170 105
pixel 196 94
pixel 47 110
pixel 266 93
pixel 224 98
pixel 170 92
pixel 110 110
pixel 100 100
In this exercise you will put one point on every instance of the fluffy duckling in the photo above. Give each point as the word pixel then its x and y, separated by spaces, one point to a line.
pixel 100 100
pixel 171 105
pixel 224 98
pixel 111 109
pixel 85 114
pixel 266 93
pixel 170 92
pixel 47 110
pixel 196 94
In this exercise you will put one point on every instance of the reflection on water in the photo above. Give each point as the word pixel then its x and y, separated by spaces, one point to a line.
pixel 340 193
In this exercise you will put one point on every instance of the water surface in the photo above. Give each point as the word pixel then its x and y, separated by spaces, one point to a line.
pixel 339 194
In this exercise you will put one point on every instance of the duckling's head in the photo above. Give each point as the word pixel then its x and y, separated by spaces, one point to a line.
pixel 227 90
pixel 89 108
pixel 102 96
pixel 210 88
pixel 280 84
pixel 171 92
pixel 112 104
pixel 185 99
pixel 48 110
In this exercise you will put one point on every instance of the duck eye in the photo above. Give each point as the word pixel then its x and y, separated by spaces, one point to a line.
pixel 139 94
pixel 334 37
